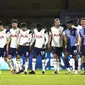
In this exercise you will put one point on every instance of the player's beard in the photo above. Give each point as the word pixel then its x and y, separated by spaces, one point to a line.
pixel 39 29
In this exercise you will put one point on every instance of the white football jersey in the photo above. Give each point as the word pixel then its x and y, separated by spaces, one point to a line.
pixel 77 27
pixel 14 33
pixel 56 33
pixel 78 30
pixel 25 37
pixel 39 38
pixel 3 38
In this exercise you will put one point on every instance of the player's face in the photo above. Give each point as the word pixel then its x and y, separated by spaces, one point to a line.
pixel 83 23
pixel 14 25
pixel 76 22
pixel 57 23
pixel 24 28
pixel 1 28
pixel 69 26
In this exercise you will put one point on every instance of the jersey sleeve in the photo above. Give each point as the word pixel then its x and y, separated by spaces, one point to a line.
pixel 8 33
pixel 29 36
pixel 33 38
pixel 46 37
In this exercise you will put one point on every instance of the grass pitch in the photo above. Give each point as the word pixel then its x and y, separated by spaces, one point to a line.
pixel 6 78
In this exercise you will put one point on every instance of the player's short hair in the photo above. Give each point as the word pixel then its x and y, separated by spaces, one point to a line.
pixel 82 18
pixel 14 21
pixel 23 24
pixel 75 19
pixel 69 22
pixel 38 25
pixel 56 19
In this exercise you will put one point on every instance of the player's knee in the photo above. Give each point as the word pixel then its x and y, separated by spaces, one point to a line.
pixel 18 56
pixel 66 54
pixel 55 55
pixel 43 57
pixel 9 57
pixel 35 56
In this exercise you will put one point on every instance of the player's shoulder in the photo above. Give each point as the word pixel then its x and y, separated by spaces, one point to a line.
pixel 67 30
pixel 29 31
pixel 11 29
pixel 18 29
pixel 7 30
pixel 61 28
pixel 81 30
pixel 52 27
pixel 35 30
pixel 79 26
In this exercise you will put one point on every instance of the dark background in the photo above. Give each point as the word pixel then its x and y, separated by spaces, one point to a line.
pixel 33 11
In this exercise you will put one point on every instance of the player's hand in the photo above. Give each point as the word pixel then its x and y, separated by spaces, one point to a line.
pixel 65 48
pixel 25 44
pixel 49 47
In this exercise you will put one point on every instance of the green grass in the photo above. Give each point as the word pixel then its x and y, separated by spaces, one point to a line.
pixel 6 78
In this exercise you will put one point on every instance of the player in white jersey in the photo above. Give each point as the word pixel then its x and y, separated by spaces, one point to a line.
pixel 40 38
pixel 24 40
pixel 3 40
pixel 12 44
pixel 56 41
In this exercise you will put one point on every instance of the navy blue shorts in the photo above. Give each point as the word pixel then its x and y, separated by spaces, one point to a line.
pixel 39 51
pixel 57 50
pixel 1 52
pixel 23 50
pixel 82 50
pixel 12 51
pixel 72 50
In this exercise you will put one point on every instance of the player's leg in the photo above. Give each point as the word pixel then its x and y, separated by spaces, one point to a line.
pixel 79 63
pixel 55 59
pixel 10 61
pixel 59 53
pixel 35 54
pixel 1 55
pixel 26 55
pixel 82 50
pixel 75 57
pixel 67 61
pixel 19 63
pixel 5 54
pixel 42 53
pixel 83 63
pixel 67 53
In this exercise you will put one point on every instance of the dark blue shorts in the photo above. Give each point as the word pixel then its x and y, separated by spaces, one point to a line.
pixel 72 50
pixel 57 50
pixel 1 52
pixel 23 50
pixel 12 51
pixel 82 50
pixel 39 51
